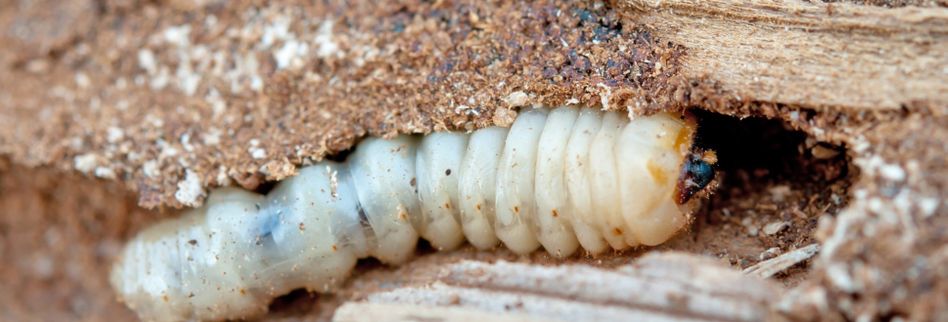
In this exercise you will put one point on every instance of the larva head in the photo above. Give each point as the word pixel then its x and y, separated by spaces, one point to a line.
pixel 697 174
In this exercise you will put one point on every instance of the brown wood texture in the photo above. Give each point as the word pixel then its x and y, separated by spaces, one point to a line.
pixel 98 88
pixel 807 52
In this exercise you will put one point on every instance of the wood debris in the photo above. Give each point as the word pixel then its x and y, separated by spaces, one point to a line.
pixel 666 286
pixel 780 263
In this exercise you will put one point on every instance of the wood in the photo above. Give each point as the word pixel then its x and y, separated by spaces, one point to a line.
pixel 778 264
pixel 657 287
pixel 371 312
pixel 808 53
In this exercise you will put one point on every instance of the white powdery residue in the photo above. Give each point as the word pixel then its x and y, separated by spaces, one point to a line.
pixel 517 98
pixel 247 69
pixel 166 149
pixel 219 63
pixel 122 84
pixel 255 152
pixel 860 144
pixel 134 156
pixel 147 61
pixel 154 120
pixel 928 206
pixel 795 115
pixel 892 172
pixel 189 190
pixel 843 223
pixel 289 55
pixel 279 30
pixel 82 80
pixel 160 79
pixel 222 178
pixel 258 153
pixel 256 83
pixel 327 47
pixel 775 227
pixel 150 169
pixel 368 53
pixel 178 35
pixel 105 173
pixel 869 164
pixel 210 21
pixel 840 278
pixel 85 163
pixel 186 142
pixel 218 105
pixel 461 109
pixel 604 98
pixel 114 134
pixel 188 80
pixel 212 137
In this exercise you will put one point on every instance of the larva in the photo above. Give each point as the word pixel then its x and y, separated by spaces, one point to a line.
pixel 561 179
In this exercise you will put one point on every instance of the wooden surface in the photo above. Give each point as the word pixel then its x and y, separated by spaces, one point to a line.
pixel 808 53
pixel 658 287
pixel 97 118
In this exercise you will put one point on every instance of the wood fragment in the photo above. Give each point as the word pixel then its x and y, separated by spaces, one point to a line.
pixel 371 312
pixel 780 263
pixel 808 53
pixel 658 287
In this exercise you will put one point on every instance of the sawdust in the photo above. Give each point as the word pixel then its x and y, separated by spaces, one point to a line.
pixel 156 102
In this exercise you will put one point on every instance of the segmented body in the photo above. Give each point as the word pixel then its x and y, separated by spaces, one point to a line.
pixel 561 179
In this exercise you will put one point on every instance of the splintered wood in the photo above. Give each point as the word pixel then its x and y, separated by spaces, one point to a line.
pixel 780 263
pixel 658 287
pixel 808 52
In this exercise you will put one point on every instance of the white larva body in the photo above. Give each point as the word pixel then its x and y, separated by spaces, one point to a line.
pixel 561 179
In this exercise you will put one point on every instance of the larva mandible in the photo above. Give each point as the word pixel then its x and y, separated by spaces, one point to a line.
pixel 562 179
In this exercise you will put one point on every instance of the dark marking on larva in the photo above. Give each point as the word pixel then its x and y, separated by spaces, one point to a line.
pixel 447 172
pixel 516 210
pixel 193 242
pixel 363 217
pixel 555 213
pixel 271 222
